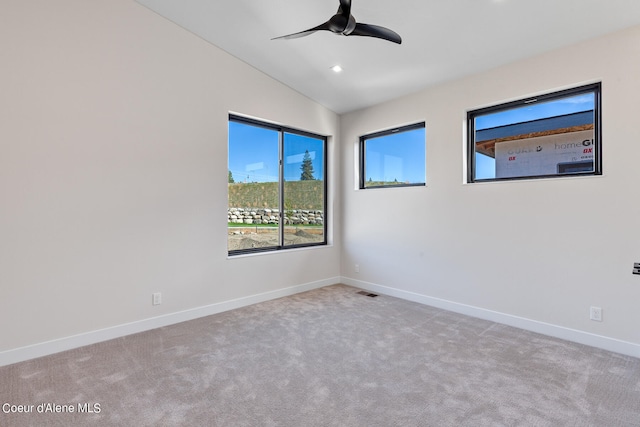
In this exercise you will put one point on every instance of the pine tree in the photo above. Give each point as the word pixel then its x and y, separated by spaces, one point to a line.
pixel 306 168
pixel 231 180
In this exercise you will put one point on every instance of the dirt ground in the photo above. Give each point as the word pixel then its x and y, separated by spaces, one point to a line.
pixel 251 237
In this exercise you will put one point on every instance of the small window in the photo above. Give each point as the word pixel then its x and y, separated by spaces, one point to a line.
pixel 393 158
pixel 552 135
pixel 277 187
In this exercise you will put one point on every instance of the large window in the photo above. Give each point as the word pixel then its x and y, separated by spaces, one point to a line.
pixel 277 187
pixel 551 135
pixel 393 158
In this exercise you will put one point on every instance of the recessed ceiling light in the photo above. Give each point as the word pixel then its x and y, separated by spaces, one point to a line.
pixel 336 68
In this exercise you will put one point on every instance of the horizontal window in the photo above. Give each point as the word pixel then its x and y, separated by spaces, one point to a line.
pixel 393 158
pixel 551 135
pixel 277 187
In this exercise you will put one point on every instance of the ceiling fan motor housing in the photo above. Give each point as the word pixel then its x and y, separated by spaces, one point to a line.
pixel 341 24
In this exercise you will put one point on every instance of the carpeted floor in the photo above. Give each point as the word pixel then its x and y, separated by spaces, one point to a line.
pixel 329 357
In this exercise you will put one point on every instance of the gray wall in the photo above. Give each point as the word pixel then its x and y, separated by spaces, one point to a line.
pixel 113 171
pixel 536 250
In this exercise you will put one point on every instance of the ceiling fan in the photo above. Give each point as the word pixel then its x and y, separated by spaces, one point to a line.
pixel 345 24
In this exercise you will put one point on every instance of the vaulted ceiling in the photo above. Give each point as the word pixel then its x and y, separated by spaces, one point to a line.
pixel 441 39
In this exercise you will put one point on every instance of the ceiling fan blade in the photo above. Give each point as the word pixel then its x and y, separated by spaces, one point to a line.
pixel 345 8
pixel 321 27
pixel 376 31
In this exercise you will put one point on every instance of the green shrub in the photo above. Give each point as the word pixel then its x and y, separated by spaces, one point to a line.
pixel 300 195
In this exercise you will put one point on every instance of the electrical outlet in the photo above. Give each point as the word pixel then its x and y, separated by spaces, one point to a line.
pixel 157 298
pixel 357 268
pixel 595 314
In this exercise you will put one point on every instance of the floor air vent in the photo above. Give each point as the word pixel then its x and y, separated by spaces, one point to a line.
pixel 368 294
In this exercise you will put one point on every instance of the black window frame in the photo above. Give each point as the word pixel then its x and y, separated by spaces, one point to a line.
pixel 362 152
pixel 593 88
pixel 281 129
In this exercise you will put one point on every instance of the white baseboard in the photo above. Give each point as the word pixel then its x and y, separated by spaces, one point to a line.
pixel 21 354
pixel 581 337
pixel 9 357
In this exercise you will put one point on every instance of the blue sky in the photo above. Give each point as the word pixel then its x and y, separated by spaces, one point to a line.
pixel 254 153
pixel 398 156
pixel 536 111
pixel 253 150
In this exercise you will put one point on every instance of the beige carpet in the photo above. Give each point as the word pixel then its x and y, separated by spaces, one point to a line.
pixel 329 357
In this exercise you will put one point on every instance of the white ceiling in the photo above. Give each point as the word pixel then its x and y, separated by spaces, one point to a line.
pixel 442 39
